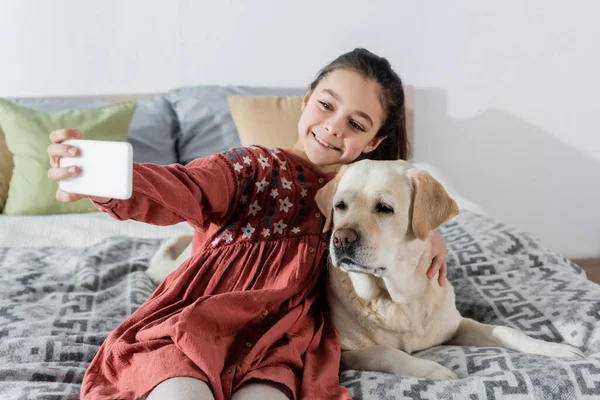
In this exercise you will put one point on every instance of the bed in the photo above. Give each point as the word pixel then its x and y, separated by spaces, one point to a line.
pixel 67 280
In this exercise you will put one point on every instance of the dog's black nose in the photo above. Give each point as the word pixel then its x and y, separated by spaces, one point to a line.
pixel 344 238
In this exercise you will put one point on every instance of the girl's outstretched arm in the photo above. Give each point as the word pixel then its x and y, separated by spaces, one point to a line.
pixel 197 193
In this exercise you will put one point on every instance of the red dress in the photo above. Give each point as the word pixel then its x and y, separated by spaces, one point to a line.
pixel 249 302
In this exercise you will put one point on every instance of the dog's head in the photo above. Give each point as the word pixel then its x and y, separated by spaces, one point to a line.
pixel 379 211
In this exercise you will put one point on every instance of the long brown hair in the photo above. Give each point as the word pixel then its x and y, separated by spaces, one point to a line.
pixel 378 69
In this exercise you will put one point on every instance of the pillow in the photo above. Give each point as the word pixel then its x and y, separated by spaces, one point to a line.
pixel 270 121
pixel 6 167
pixel 205 122
pixel 153 130
pixel 27 138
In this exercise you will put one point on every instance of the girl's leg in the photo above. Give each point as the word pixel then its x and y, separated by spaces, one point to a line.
pixel 262 390
pixel 181 388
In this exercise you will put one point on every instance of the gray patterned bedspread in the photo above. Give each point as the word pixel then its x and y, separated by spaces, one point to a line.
pixel 57 304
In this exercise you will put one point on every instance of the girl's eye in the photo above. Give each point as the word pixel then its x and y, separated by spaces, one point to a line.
pixel 325 105
pixel 356 126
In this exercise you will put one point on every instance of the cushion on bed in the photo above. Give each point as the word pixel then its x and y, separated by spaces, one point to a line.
pixel 205 121
pixel 152 133
pixel 270 121
pixel 27 138
pixel 6 167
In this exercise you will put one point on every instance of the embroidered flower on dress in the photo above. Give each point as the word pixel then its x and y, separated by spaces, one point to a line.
pixel 248 230
pixel 254 208
pixel 279 227
pixel 262 185
pixel 274 193
pixel 285 204
pixel 264 161
pixel 286 184
pixel 266 232
pixel 303 193
pixel 283 165
pixel 296 230
pixel 228 237
pixel 247 160
pixel 244 199
pixel 238 167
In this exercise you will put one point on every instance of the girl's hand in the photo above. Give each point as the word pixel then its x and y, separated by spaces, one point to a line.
pixel 56 150
pixel 438 254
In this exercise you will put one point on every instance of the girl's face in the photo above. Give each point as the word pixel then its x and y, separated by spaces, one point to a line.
pixel 339 120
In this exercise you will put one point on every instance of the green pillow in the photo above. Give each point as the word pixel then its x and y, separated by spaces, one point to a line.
pixel 27 134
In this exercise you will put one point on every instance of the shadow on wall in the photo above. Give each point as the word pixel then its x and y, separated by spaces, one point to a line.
pixel 520 173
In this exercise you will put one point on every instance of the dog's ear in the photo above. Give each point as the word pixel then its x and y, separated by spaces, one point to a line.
pixel 432 205
pixel 324 199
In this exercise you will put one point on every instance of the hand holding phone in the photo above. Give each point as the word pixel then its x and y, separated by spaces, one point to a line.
pixel 99 170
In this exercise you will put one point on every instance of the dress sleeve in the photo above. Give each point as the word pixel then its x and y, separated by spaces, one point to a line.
pixel 199 193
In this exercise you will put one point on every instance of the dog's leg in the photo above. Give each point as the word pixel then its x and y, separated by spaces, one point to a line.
pixel 473 333
pixel 169 256
pixel 387 359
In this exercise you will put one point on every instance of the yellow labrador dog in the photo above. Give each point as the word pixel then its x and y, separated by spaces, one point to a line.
pixel 383 306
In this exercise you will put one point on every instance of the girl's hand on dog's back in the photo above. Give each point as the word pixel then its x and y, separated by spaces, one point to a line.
pixel 56 150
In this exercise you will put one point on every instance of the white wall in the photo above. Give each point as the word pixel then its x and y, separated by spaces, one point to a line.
pixel 508 91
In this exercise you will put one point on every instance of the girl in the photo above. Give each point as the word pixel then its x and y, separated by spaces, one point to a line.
pixel 244 316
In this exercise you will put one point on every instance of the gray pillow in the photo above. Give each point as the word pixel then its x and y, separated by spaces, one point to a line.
pixel 153 129
pixel 205 122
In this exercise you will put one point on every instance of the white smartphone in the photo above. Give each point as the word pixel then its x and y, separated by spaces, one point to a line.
pixel 106 169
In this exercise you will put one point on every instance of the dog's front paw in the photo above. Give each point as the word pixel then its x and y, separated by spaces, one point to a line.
pixel 432 370
pixel 560 350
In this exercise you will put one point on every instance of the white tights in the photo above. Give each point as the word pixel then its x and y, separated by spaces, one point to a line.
pixel 186 388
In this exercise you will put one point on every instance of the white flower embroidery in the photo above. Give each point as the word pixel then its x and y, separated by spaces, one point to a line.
pixel 262 185
pixel 303 193
pixel 274 193
pixel 283 165
pixel 247 160
pixel 284 205
pixel 244 199
pixel 238 167
pixel 275 150
pixel 254 208
pixel 228 238
pixel 279 227
pixel 248 230
pixel 264 161
pixel 296 230
pixel 286 184
pixel 266 232
pixel 214 242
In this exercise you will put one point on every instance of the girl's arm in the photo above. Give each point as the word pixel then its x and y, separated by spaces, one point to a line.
pixel 438 254
pixel 197 193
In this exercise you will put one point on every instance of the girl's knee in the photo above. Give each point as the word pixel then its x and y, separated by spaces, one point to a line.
pixel 262 390
pixel 181 388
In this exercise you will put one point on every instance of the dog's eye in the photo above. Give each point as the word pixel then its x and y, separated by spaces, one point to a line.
pixel 383 209
pixel 341 206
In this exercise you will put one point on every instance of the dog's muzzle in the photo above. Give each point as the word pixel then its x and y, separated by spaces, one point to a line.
pixel 346 243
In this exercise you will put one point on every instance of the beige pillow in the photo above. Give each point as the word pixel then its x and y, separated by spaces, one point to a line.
pixel 270 121
pixel 6 168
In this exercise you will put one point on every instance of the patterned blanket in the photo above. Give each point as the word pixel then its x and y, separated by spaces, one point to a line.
pixel 57 304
